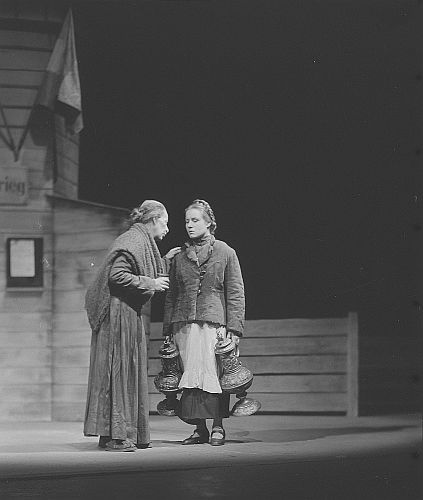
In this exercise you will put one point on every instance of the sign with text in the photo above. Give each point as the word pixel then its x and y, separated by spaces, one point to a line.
pixel 13 185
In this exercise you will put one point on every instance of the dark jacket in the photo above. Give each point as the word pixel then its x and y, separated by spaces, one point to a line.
pixel 211 291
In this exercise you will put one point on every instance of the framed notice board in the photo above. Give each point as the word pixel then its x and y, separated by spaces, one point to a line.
pixel 24 262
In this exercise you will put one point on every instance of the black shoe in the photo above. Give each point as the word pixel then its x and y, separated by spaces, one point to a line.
pixel 143 446
pixel 197 437
pixel 217 440
pixel 103 440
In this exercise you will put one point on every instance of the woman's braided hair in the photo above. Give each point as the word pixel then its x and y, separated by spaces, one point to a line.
pixel 207 212
pixel 146 212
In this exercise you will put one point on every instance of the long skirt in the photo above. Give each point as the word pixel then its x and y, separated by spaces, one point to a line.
pixel 117 398
pixel 202 395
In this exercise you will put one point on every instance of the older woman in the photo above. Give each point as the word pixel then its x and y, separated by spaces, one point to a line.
pixel 205 299
pixel 117 400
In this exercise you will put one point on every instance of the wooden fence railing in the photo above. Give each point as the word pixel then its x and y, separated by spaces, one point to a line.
pixel 299 365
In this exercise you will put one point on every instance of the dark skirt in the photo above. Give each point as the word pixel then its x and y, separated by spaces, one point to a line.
pixel 196 403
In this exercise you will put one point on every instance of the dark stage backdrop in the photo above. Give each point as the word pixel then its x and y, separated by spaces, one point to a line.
pixel 300 122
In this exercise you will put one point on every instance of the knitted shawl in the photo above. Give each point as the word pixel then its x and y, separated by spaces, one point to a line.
pixel 139 247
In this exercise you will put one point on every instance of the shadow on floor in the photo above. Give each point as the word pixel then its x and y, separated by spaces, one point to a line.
pixel 290 435
pixel 235 438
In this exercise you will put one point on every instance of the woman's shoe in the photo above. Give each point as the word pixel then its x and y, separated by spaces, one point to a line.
pixel 197 437
pixel 143 446
pixel 120 445
pixel 217 436
pixel 103 440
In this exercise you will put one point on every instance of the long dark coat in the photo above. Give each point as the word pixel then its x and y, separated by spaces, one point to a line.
pixel 117 398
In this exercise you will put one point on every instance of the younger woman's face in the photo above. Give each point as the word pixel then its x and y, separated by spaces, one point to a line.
pixel 195 224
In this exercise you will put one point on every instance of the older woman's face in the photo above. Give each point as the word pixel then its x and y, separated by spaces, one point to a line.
pixel 160 228
pixel 195 223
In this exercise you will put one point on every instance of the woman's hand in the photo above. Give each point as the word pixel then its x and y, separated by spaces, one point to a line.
pixel 161 284
pixel 235 338
pixel 172 252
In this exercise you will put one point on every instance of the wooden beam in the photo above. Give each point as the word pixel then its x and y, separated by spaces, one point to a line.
pixel 352 365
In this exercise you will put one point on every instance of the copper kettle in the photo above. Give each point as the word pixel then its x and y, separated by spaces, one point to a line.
pixel 168 379
pixel 235 378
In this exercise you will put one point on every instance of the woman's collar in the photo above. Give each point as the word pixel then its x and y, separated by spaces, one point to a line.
pixel 201 241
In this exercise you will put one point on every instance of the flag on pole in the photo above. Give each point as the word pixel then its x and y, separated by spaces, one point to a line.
pixel 61 80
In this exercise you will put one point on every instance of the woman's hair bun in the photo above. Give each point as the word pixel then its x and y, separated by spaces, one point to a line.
pixel 146 212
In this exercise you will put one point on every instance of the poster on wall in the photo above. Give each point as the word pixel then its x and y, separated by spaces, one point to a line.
pixel 22 258
pixel 24 262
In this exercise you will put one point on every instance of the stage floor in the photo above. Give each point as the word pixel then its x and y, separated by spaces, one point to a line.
pixel 286 457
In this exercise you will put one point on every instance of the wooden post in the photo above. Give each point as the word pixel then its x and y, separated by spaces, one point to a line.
pixel 352 365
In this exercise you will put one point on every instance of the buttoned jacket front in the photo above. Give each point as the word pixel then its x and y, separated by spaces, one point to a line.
pixel 211 292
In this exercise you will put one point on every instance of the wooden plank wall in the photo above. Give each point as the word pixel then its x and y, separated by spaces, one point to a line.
pixel 26 315
pixel 25 355
pixel 83 231
pixel 23 59
pixel 299 365
pixel 66 168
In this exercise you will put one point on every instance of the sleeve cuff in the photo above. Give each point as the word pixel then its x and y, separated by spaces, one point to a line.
pixel 234 332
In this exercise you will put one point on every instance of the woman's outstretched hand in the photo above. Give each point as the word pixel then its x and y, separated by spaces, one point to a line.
pixel 172 252
pixel 161 284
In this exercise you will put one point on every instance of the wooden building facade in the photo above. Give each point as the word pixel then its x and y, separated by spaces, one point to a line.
pixel 43 226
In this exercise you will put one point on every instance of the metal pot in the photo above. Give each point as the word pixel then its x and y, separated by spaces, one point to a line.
pixel 235 378
pixel 168 379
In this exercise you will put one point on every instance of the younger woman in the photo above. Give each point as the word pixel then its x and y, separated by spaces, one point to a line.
pixel 205 300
